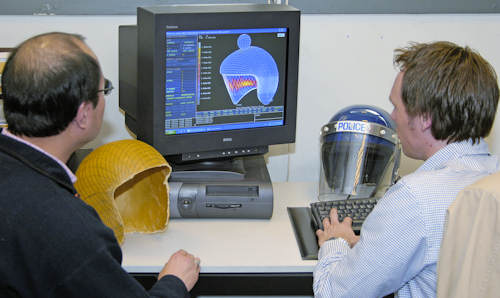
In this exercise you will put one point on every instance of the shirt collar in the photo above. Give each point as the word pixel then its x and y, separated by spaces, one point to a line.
pixel 454 151
pixel 71 176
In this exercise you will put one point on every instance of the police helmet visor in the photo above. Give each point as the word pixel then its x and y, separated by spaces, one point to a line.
pixel 355 163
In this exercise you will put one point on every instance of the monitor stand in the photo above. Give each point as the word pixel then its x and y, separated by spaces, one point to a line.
pixel 235 188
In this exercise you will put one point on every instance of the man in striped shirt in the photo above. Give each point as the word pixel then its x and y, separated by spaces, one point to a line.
pixel 445 99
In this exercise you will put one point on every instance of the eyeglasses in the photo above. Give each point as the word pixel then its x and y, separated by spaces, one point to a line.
pixel 108 86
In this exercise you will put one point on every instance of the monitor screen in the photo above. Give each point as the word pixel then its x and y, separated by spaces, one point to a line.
pixel 224 79
pixel 211 81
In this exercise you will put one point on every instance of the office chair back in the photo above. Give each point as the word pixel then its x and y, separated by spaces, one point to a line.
pixel 469 261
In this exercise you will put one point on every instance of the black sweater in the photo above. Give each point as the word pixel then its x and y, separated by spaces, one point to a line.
pixel 52 244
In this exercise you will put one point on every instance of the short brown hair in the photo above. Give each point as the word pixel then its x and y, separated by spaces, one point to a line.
pixel 453 85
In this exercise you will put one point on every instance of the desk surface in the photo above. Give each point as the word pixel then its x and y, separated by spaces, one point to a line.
pixel 229 245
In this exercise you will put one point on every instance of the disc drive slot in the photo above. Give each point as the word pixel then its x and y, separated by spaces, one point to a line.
pixel 232 191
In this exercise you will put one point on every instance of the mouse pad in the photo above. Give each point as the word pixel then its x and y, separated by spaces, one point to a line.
pixel 301 220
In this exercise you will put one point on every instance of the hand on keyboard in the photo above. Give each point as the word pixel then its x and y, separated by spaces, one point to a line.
pixel 356 209
pixel 332 227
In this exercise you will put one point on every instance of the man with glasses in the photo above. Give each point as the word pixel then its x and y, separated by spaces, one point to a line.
pixel 108 86
pixel 52 244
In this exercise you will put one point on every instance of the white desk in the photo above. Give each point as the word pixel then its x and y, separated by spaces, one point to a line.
pixel 259 247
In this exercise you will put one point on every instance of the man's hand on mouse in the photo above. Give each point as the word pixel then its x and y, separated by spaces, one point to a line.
pixel 335 229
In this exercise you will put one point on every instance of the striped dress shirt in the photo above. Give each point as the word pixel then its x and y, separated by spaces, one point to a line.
pixel 400 239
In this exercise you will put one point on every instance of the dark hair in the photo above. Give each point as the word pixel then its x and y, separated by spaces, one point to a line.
pixel 45 80
pixel 453 85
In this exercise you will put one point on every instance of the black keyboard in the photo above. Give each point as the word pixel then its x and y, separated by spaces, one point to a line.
pixel 357 209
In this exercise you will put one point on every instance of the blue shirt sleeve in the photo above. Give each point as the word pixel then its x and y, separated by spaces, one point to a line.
pixel 390 252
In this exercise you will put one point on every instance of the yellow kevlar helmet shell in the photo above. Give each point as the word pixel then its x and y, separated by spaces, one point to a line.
pixel 126 183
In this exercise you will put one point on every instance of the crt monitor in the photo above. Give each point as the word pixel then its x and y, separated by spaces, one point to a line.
pixel 205 82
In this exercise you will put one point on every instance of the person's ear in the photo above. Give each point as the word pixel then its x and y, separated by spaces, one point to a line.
pixel 425 121
pixel 83 114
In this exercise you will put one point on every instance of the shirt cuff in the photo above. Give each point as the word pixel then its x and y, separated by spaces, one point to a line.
pixel 169 286
pixel 338 246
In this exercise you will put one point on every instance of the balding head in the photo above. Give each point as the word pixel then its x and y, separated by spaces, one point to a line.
pixel 45 80
pixel 42 53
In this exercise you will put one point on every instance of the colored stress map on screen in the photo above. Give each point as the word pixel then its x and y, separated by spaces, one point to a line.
pixel 250 68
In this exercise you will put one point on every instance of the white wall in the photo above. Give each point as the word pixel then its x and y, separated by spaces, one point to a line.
pixel 344 60
pixel 347 59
